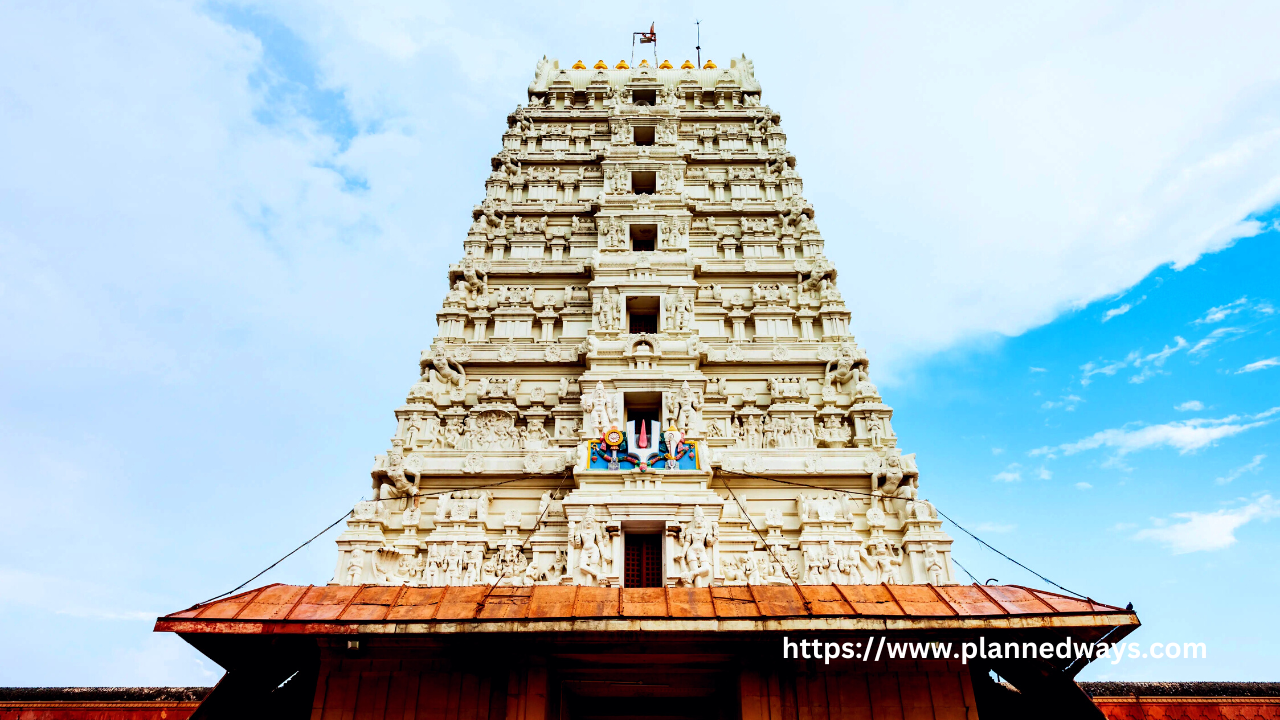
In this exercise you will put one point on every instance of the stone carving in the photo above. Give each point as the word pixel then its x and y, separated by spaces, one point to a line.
pixel 600 407
pixel 389 480
pixel 834 433
pixel 890 476
pixel 698 538
pixel 932 565
pixel 439 369
pixel 840 369
pixel 683 408
pixel 585 537
pixel 608 310
pixel 882 561
pixel 355 568
pixel 533 463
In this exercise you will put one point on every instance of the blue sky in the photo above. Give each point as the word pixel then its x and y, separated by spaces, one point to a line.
pixel 223 230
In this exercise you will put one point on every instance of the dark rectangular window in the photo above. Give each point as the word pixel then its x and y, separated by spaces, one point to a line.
pixel 644 134
pixel 644 182
pixel 644 323
pixel 642 314
pixel 644 97
pixel 643 560
pixel 644 238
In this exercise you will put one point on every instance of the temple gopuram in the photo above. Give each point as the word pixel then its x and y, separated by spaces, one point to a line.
pixel 643 459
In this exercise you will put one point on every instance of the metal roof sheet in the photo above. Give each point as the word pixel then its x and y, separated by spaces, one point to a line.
pixel 333 606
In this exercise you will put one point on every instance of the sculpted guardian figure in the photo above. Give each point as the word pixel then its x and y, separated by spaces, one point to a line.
pixel 598 405
pixel 441 370
pixel 699 538
pixel 586 538
pixel 393 474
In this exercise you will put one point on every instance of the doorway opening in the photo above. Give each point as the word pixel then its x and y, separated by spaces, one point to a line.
pixel 642 560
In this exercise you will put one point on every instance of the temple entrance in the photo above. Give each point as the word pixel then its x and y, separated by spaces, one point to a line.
pixel 662 688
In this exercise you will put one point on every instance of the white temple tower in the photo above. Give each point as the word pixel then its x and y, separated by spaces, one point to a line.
pixel 641 346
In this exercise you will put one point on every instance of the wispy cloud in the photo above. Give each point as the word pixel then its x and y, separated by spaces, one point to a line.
pixel 1091 368
pixel 1212 339
pixel 1184 435
pixel 1152 363
pixel 1116 312
pixel 1013 473
pixel 1035 369
pixel 1222 312
pixel 1149 363
pixel 1253 465
pixel 1190 405
pixel 1044 473
pixel 1083 486
pixel 997 451
pixel 1068 403
pixel 1259 365
pixel 1203 531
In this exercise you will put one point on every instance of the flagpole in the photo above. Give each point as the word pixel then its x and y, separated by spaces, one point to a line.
pixel 699 46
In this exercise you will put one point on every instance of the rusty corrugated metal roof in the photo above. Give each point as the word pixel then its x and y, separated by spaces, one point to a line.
pixel 334 606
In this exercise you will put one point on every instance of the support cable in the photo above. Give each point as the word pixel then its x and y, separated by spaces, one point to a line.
pixel 781 560
pixel 944 515
pixel 331 525
pixel 536 527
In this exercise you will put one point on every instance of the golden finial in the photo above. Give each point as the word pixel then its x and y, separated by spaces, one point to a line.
pixel 709 66
pixel 688 66
pixel 600 65
pixel 622 65
pixel 579 66
pixel 644 63
pixel 666 65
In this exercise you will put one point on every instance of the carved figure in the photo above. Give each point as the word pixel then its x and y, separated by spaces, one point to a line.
pixel 932 565
pixel 698 536
pixel 875 429
pixel 586 538
pixel 733 572
pixel 441 370
pixel 599 406
pixel 355 568
pixel 690 402
pixel 393 474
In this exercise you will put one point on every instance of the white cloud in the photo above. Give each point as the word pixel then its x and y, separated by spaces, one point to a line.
pixel 1090 369
pixel 1158 358
pixel 1250 467
pixel 1200 531
pixel 1190 405
pixel 1044 473
pixel 1218 314
pixel 1212 338
pixel 1155 361
pixel 1013 473
pixel 1115 312
pixel 997 451
pixel 1083 486
pixel 1067 402
pixel 1150 363
pixel 1259 365
pixel 1035 369
pixel 1185 435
